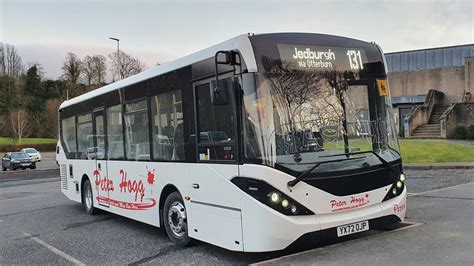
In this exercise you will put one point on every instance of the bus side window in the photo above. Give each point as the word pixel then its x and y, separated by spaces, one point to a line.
pixel 84 135
pixel 167 129
pixel 114 133
pixel 136 131
pixel 68 135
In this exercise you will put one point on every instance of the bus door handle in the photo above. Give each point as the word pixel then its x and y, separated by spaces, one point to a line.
pixel 98 166
pixel 196 186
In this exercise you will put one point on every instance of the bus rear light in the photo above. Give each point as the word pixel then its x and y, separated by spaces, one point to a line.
pixel 270 196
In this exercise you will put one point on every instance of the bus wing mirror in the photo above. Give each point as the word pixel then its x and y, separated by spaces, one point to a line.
pixel 219 92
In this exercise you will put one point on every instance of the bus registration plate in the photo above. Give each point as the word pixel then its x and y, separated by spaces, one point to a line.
pixel 352 228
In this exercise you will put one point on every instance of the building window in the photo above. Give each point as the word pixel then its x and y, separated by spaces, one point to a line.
pixel 137 144
pixel 167 121
pixel 114 132
pixel 85 137
pixel 69 134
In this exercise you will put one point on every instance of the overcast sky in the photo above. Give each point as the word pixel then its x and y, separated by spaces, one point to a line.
pixel 160 31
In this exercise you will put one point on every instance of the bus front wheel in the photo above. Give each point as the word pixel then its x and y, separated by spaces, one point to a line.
pixel 87 198
pixel 175 220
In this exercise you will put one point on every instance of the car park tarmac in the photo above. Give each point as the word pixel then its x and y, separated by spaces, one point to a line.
pixel 39 225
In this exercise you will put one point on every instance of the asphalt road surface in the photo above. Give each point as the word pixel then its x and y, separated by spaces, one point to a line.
pixel 38 225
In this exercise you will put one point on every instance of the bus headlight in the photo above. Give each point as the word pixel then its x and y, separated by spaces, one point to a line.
pixel 270 196
pixel 275 197
pixel 397 187
pixel 394 191
pixel 294 209
pixel 399 184
pixel 403 177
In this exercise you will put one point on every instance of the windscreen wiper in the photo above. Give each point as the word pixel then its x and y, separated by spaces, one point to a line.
pixel 387 165
pixel 295 181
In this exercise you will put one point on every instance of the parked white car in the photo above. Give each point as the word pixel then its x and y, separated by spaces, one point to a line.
pixel 33 153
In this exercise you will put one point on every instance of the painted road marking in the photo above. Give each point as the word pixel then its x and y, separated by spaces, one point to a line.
pixel 54 250
pixel 411 225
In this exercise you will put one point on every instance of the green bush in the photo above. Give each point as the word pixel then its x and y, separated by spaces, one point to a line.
pixel 470 132
pixel 40 147
pixel 460 132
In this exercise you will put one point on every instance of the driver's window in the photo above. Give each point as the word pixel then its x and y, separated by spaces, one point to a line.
pixel 216 126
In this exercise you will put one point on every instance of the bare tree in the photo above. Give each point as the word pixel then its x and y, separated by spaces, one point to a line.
pixel 100 68
pixel 2 59
pixel 94 69
pixel 72 68
pixel 124 65
pixel 10 61
pixel 20 125
pixel 88 69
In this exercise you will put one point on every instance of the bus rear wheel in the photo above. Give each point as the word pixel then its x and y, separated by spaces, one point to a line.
pixel 88 198
pixel 175 220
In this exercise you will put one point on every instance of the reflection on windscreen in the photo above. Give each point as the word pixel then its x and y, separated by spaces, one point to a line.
pixel 19 155
pixel 313 114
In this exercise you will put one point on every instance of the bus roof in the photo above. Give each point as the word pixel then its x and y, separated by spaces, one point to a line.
pixel 240 43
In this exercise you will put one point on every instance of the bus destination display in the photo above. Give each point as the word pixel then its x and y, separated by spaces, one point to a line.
pixel 306 57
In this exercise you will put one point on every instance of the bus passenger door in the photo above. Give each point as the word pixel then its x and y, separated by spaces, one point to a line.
pixel 100 173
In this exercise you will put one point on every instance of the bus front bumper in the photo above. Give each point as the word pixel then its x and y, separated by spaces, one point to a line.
pixel 277 232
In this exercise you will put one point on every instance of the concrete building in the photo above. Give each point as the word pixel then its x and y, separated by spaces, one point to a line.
pixel 432 90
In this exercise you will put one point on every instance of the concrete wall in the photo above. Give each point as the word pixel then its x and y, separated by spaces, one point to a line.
pixel 450 81
pixel 461 114
pixel 469 77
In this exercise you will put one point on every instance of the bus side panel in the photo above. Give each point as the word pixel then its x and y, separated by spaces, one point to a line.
pixel 68 179
pixel 214 208
pixel 79 168
pixel 137 187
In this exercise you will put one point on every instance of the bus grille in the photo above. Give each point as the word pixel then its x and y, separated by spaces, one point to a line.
pixel 63 174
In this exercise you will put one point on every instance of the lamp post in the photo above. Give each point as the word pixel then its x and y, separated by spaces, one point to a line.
pixel 118 53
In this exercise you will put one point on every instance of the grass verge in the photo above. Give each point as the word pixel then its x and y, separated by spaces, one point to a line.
pixel 435 151
pixel 26 141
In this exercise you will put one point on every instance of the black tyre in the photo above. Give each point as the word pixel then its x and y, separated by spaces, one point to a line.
pixel 13 168
pixel 88 198
pixel 33 166
pixel 175 220
pixel 4 168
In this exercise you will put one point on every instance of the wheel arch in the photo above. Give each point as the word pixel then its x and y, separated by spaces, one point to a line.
pixel 167 190
pixel 83 181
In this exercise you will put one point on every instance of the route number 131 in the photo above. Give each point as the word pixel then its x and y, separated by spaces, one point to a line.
pixel 355 59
